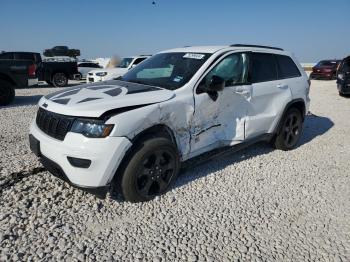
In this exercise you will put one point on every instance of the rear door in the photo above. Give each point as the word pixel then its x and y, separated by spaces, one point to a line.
pixel 269 94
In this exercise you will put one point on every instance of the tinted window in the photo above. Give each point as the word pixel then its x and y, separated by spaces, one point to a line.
pixel 286 67
pixel 139 60
pixel 345 66
pixel 233 69
pixel 6 56
pixel 263 67
pixel 25 56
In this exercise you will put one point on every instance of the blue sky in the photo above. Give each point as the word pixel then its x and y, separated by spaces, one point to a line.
pixel 313 29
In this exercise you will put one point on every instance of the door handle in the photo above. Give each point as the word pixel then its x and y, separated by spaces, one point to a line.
pixel 242 90
pixel 282 86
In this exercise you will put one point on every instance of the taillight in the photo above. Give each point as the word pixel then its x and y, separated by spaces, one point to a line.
pixel 31 70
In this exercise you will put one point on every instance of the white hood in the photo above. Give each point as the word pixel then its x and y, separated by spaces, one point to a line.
pixel 92 100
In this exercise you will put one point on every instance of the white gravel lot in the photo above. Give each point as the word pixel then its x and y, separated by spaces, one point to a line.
pixel 258 204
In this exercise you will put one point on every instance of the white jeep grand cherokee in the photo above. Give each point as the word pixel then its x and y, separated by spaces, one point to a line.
pixel 132 134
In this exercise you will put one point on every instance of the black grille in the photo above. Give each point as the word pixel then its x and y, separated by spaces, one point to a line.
pixel 52 124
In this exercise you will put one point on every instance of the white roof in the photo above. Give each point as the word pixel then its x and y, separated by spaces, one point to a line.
pixel 213 49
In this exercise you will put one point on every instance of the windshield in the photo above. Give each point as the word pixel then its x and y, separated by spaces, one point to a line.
pixel 327 63
pixel 125 63
pixel 167 70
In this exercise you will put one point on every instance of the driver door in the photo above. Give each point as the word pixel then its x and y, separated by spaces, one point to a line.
pixel 219 117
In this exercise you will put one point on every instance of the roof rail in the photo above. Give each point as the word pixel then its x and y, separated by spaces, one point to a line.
pixel 260 46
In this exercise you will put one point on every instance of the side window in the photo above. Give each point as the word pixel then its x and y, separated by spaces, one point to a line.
pixel 345 66
pixel 287 67
pixel 6 56
pixel 82 65
pixel 233 69
pixel 139 60
pixel 95 65
pixel 262 67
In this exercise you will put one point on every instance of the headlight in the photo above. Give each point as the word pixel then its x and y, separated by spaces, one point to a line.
pixel 91 128
pixel 101 73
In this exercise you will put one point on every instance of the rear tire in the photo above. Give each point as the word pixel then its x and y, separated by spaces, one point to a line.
pixel 289 134
pixel 149 170
pixel 7 92
pixel 59 80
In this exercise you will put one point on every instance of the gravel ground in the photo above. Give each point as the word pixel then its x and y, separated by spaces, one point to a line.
pixel 258 204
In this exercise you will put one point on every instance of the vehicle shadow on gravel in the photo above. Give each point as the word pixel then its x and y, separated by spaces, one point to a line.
pixel 24 101
pixel 314 126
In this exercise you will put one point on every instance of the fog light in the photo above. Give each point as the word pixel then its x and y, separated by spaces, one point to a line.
pixel 79 162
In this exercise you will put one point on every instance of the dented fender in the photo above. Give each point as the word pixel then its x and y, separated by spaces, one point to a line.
pixel 176 114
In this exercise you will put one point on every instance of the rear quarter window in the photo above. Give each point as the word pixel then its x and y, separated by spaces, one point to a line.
pixel 263 68
pixel 286 67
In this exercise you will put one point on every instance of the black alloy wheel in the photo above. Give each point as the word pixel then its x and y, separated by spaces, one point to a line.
pixel 148 170
pixel 291 130
pixel 155 173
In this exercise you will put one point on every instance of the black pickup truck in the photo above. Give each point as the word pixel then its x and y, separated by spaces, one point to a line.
pixel 15 74
pixel 55 71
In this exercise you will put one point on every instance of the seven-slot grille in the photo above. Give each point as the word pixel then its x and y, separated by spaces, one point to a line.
pixel 52 124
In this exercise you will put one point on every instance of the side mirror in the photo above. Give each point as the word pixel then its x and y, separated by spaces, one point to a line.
pixel 216 84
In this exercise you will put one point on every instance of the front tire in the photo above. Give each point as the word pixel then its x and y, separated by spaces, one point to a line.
pixel 7 92
pixel 290 131
pixel 153 165
pixel 59 80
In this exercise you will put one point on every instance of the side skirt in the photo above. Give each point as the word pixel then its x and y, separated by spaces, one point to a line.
pixel 224 151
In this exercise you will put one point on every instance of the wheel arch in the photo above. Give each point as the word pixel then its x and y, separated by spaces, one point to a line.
pixel 299 104
pixel 159 130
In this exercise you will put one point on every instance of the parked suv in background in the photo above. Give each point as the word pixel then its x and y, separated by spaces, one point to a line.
pixel 343 78
pixel 325 69
pixel 133 133
pixel 124 66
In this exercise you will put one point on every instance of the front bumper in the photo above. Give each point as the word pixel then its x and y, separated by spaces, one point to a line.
pixel 105 155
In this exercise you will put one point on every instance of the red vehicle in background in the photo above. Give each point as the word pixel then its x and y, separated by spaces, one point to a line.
pixel 325 69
